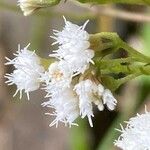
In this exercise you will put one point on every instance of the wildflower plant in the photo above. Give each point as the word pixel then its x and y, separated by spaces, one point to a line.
pixel 80 74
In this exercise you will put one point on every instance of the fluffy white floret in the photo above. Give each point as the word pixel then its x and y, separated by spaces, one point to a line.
pixel 65 105
pixel 136 135
pixel 89 92
pixel 57 77
pixel 26 60
pixel 73 46
pixel 109 99
pixel 27 71
pixel 72 36
pixel 85 90
pixel 98 102
pixel 25 81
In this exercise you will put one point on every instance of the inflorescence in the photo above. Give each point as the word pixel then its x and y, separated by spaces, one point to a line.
pixel 72 87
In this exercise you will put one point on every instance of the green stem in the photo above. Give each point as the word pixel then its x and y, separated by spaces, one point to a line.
pixel 47 2
pixel 115 66
pixel 114 84
pixel 111 41
pixel 131 51
pixel 127 78
pixel 78 142
pixel 107 142
pixel 143 2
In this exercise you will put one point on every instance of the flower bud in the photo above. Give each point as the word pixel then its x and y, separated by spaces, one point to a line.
pixel 29 6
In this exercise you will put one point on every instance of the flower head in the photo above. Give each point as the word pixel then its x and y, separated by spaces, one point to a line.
pixel 73 46
pixel 71 35
pixel 27 81
pixel 65 105
pixel 85 91
pixel 71 91
pixel 136 135
pixel 57 78
pixel 27 71
pixel 29 6
pixel 89 92
pixel 26 60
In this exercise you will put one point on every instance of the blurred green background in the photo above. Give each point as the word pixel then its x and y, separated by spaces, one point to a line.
pixel 23 125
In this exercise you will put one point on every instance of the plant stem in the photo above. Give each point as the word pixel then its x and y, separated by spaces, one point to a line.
pixel 139 2
pixel 79 142
pixel 115 66
pixel 134 52
pixel 115 43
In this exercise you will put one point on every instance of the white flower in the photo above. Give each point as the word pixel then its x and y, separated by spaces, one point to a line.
pixel 66 107
pixel 79 62
pixel 89 92
pixel 71 35
pixel 109 99
pixel 27 71
pixel 26 59
pixel 27 81
pixel 98 102
pixel 62 98
pixel 73 47
pixel 136 135
pixel 57 78
pixel 85 90
pixel 100 89
pixel 59 70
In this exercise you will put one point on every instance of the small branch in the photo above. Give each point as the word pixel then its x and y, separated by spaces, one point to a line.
pixel 117 13
pixel 127 78
pixel 131 51
pixel 121 14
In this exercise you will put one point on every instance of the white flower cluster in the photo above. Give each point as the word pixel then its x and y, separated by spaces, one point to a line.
pixel 69 96
pixel 71 99
pixel 136 135
pixel 89 92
